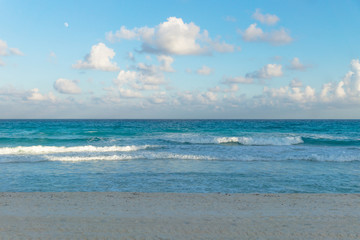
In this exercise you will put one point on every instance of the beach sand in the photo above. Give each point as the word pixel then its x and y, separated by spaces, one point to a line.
pixel 178 216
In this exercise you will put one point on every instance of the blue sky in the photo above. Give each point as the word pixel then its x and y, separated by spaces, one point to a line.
pixel 179 59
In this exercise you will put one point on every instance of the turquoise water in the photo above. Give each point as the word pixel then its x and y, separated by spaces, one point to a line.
pixel 279 156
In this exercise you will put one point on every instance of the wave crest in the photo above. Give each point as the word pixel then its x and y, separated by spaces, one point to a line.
pixel 37 150
pixel 261 141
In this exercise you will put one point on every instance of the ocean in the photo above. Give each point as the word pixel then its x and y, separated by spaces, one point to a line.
pixel 227 156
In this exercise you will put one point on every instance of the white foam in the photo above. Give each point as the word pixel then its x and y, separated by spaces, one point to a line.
pixel 150 156
pixel 244 140
pixel 261 140
pixel 93 158
pixel 36 150
pixel 332 158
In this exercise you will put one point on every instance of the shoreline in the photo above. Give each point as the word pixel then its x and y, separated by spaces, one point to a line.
pixel 122 215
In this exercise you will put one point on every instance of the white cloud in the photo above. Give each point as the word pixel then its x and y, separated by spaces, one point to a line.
pixel 296 83
pixel 1 63
pixel 278 37
pixel 165 63
pixel 125 77
pixel 150 74
pixel 158 98
pixel 128 93
pixel 268 19
pixel 232 87
pixel 222 47
pixel 296 94
pixel 123 33
pixel 99 58
pixel 268 71
pixel 35 95
pixel 15 51
pixel 176 37
pixel 295 64
pixel 172 37
pixel 275 37
pixel 66 86
pixel 66 24
pixel 6 51
pixel 347 89
pixel 144 76
pixel 343 93
pixel 3 48
pixel 197 98
pixel 253 33
pixel 239 79
pixel 204 70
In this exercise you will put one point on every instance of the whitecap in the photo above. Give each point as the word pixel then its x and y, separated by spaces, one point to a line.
pixel 36 150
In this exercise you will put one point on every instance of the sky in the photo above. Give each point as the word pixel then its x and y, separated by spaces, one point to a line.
pixel 180 59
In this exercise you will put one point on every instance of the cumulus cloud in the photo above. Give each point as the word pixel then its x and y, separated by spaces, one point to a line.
pixel 143 77
pixel 165 63
pixel 196 98
pixel 122 33
pixel 348 89
pixel 295 83
pixel 275 37
pixel 35 95
pixel 99 58
pixel 295 64
pixel 66 24
pixel 268 19
pixel 292 93
pixel 66 86
pixel 343 93
pixel 128 93
pixel 204 70
pixel 158 98
pixel 7 51
pixel 172 37
pixel 266 72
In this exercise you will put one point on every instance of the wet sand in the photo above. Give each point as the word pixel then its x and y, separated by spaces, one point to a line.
pixel 117 215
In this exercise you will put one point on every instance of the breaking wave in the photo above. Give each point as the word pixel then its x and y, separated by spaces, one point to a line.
pixel 151 156
pixel 37 150
pixel 261 141
pixel 251 140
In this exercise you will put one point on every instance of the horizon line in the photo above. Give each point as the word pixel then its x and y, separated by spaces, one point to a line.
pixel 7 119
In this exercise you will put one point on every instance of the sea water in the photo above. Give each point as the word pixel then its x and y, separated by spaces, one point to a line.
pixel 231 156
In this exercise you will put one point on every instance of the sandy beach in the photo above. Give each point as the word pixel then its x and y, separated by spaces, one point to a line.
pixel 113 215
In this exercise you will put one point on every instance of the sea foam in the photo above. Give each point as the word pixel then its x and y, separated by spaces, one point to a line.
pixel 261 140
pixel 123 157
pixel 36 150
